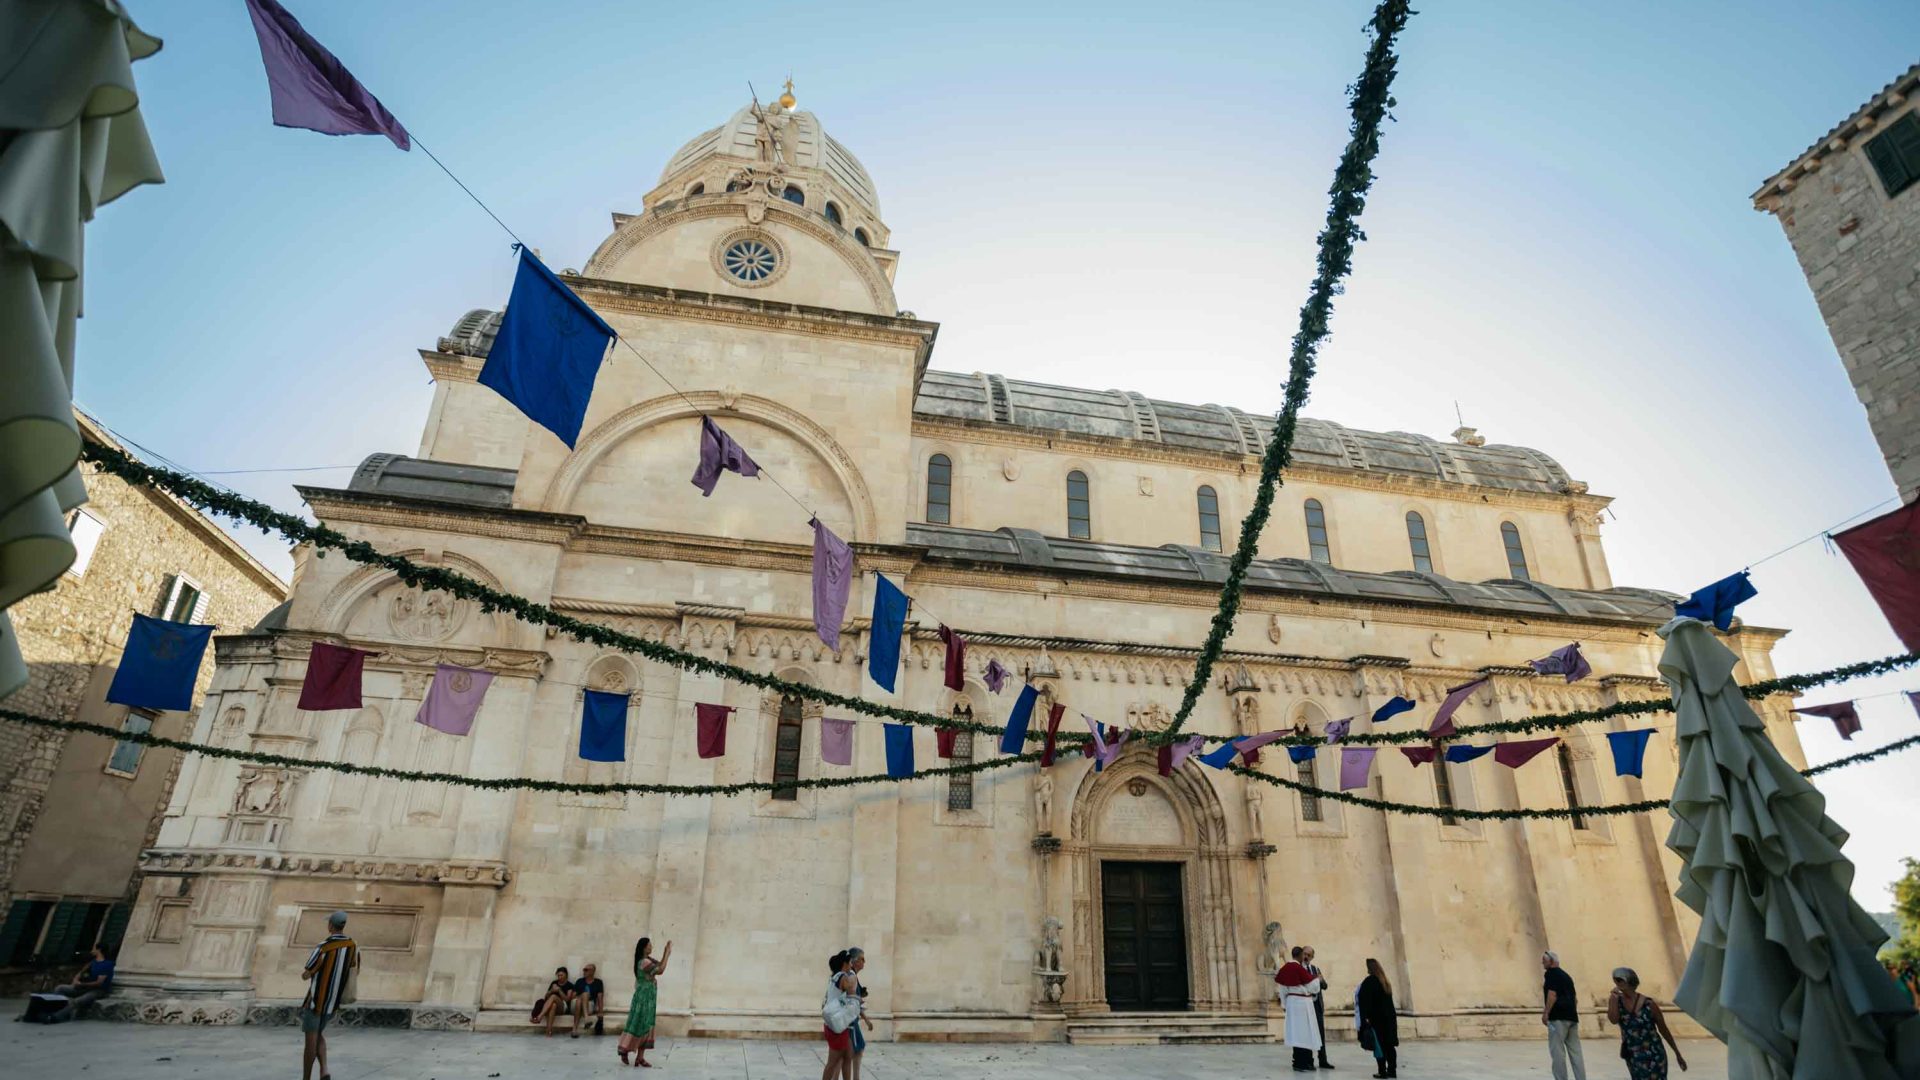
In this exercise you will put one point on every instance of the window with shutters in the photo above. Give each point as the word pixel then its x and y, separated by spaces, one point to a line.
pixel 1895 154
pixel 185 601
pixel 1443 791
pixel 1516 555
pixel 1568 784
pixel 1417 540
pixel 20 936
pixel 1317 548
pixel 1209 519
pixel 786 749
pixel 125 759
pixel 1079 507
pixel 939 490
pixel 86 530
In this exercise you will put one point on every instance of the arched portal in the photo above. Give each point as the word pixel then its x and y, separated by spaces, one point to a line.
pixel 1144 849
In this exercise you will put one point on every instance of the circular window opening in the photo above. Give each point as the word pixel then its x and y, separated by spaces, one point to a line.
pixel 749 260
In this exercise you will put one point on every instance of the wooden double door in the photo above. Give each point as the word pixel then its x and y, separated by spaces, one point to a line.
pixel 1145 929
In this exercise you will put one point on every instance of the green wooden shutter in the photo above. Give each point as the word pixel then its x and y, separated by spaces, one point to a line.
pixel 63 931
pixel 18 917
pixel 116 927
pixel 1895 154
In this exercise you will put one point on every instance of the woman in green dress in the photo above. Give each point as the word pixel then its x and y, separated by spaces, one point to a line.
pixel 638 1035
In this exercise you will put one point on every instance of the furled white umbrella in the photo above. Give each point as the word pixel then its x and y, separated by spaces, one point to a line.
pixel 1783 970
pixel 71 140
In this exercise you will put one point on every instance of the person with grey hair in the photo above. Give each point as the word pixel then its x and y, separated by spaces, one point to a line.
pixel 1561 1014
pixel 329 974
pixel 1641 1028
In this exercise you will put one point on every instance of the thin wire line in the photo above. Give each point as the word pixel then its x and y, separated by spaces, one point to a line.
pixel 463 187
pixel 298 468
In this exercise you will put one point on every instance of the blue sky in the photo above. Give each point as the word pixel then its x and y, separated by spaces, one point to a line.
pixel 1110 195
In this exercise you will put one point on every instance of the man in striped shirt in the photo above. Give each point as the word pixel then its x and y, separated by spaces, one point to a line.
pixel 327 972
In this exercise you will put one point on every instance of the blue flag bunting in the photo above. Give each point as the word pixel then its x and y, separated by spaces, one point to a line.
pixel 159 665
pixel 1715 603
pixel 1467 753
pixel 1221 756
pixel 1014 739
pixel 899 750
pixel 1629 750
pixel 548 350
pixel 889 619
pixel 603 726
pixel 1392 709
pixel 1301 753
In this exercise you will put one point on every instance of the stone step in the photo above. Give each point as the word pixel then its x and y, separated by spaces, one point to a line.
pixel 1153 1029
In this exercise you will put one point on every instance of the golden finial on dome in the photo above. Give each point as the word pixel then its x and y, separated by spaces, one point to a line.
pixel 787 100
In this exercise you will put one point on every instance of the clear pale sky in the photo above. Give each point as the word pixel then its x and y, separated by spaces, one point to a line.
pixel 1109 195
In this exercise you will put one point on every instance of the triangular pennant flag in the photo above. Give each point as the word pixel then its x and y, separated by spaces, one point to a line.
pixel 1456 697
pixel 1913 698
pixel 1299 754
pixel 1356 762
pixel 311 88
pixel 711 733
pixel 1566 660
pixel 1520 751
pixel 333 678
pixel 719 453
pixel 1629 750
pixel 159 664
pixel 1249 747
pixel 900 751
pixel 1885 552
pixel 1846 720
pixel 454 698
pixel 1337 729
pixel 832 583
pixel 1715 603
pixel 1014 739
pixel 836 742
pixel 889 620
pixel 1420 755
pixel 1185 749
pixel 1054 716
pixel 1462 753
pixel 1394 707
pixel 603 726
pixel 548 351
pixel 943 740
pixel 996 675
pixel 956 661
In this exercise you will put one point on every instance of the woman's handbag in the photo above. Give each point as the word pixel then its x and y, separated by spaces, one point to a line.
pixel 350 984
pixel 1367 1038
pixel 840 1012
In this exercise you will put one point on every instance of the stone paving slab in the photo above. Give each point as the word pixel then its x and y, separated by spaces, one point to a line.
pixel 94 1049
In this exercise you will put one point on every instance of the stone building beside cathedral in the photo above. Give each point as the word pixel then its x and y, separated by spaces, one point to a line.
pixel 1075 535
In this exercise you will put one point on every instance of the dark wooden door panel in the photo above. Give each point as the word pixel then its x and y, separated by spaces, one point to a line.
pixel 1144 931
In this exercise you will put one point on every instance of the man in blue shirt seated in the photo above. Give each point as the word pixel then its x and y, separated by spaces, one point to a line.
pixel 92 983
pixel 589 1002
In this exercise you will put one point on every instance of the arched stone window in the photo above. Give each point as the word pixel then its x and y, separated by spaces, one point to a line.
pixel 939 490
pixel 1516 555
pixel 1317 548
pixel 1079 507
pixel 1209 519
pixel 1443 790
pixel 861 235
pixel 1417 540
pixel 736 185
pixel 786 749
pixel 960 785
pixel 697 189
pixel 794 195
pixel 1569 785
pixel 833 214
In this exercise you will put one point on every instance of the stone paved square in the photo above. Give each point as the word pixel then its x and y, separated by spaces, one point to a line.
pixel 94 1050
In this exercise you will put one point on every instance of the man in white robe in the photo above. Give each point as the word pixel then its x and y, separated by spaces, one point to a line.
pixel 1297 989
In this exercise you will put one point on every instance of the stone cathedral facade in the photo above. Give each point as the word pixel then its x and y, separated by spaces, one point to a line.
pixel 1076 535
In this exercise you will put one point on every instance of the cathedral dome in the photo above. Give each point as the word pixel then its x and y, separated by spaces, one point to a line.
pixel 807 144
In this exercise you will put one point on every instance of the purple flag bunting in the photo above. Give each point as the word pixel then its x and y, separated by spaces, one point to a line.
pixel 1846 720
pixel 1338 729
pixel 1421 755
pixel 454 699
pixel 1456 697
pixel 996 675
pixel 832 583
pixel 1356 762
pixel 1249 747
pixel 310 87
pixel 1185 749
pixel 836 741
pixel 719 452
pixel 1563 661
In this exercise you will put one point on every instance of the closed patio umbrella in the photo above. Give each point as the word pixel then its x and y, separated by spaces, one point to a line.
pixel 71 140
pixel 1783 970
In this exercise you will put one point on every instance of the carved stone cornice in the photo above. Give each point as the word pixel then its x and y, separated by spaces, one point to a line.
pixel 333 505
pixel 397 656
pixel 279 864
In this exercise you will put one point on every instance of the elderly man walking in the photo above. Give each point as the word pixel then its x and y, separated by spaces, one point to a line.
pixel 328 973
pixel 1561 1013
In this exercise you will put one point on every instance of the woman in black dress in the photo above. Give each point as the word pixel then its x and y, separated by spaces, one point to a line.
pixel 1379 1020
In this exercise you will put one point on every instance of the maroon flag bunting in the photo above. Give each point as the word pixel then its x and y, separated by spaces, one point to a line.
pixel 1885 552
pixel 1518 752
pixel 1846 720
pixel 333 678
pixel 956 658
pixel 1053 732
pixel 943 740
pixel 1421 755
pixel 712 740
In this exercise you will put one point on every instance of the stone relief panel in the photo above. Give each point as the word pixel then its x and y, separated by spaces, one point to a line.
pixel 1140 814
pixel 413 615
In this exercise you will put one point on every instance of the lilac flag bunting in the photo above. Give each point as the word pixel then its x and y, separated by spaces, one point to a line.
pixel 836 741
pixel 1913 697
pixel 1563 661
pixel 719 452
pixel 1846 720
pixel 1356 762
pixel 454 699
pixel 1456 697
pixel 832 583
pixel 1104 750
pixel 996 675
pixel 1338 729
pixel 1185 749
pixel 310 87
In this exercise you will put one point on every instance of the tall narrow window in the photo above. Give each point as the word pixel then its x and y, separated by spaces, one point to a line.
pixel 1443 792
pixel 1573 791
pixel 1209 519
pixel 1309 803
pixel 939 490
pixel 1079 509
pixel 1417 540
pixel 960 785
pixel 125 759
pixel 833 214
pixel 1317 548
pixel 861 235
pixel 1895 154
pixel 1516 555
pixel 794 195
pixel 786 749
